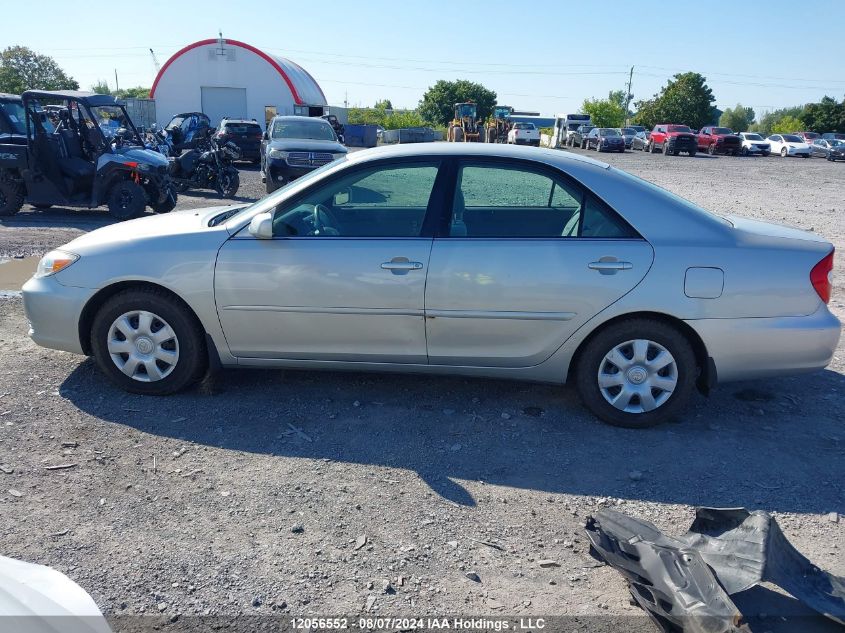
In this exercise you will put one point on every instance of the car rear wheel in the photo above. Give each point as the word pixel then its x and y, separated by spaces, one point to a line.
pixel 711 149
pixel 783 152
pixel 744 151
pixel 147 342
pixel 636 373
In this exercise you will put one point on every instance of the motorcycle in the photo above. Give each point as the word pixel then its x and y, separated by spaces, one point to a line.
pixel 207 169
pixel 159 141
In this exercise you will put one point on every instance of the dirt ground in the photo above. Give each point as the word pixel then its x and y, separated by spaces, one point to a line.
pixel 285 492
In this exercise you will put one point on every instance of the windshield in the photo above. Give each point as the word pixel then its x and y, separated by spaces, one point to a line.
pixel 268 203
pixel 312 130
pixel 586 128
pixel 836 142
pixel 791 138
pixel 679 128
pixel 175 122
pixel 14 112
pixel 608 131
pixel 811 135
pixel 628 131
pixel 722 130
pixel 754 137
pixel 111 119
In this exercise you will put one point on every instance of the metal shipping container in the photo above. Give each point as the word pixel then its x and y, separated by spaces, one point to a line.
pixel 141 111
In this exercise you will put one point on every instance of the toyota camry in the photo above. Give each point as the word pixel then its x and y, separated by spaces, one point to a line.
pixel 475 260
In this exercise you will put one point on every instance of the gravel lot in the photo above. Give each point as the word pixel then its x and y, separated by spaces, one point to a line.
pixel 284 492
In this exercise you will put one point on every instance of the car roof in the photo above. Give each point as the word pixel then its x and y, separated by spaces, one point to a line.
pixel 293 117
pixel 498 150
pixel 88 98
pixel 227 120
pixel 5 96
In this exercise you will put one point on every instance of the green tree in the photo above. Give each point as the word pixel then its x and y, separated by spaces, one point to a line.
pixel 23 69
pixel 739 119
pixel 686 98
pixel 383 104
pixel 437 106
pixel 825 116
pixel 392 120
pixel 768 120
pixel 608 112
pixel 101 88
pixel 787 125
pixel 139 92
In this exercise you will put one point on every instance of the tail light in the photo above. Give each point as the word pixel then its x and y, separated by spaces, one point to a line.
pixel 822 277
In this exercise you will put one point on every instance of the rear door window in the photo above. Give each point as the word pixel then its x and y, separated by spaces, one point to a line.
pixel 500 201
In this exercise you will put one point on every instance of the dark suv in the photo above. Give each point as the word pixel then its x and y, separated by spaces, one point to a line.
pixel 295 145
pixel 246 134
pixel 579 136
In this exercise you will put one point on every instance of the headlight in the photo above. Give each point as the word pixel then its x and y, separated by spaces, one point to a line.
pixel 53 262
pixel 338 155
pixel 277 153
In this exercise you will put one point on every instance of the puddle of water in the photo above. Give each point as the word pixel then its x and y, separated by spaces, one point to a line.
pixel 15 272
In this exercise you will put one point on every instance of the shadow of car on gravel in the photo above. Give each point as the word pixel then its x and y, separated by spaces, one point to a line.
pixel 776 445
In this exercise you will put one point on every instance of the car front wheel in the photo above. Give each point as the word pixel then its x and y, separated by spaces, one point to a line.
pixel 636 373
pixel 146 341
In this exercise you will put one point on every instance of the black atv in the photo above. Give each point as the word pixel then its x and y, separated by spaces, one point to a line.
pixel 92 155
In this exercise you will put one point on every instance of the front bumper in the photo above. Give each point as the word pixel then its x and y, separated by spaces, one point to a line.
pixel 758 149
pixel 54 311
pixel 749 348
pixel 682 144
pixel 797 151
pixel 280 172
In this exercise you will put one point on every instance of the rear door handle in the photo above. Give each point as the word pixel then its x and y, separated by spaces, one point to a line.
pixel 606 267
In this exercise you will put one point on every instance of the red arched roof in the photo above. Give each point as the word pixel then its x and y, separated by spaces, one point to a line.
pixel 270 60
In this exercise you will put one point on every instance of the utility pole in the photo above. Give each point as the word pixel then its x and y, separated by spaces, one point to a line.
pixel 116 84
pixel 628 94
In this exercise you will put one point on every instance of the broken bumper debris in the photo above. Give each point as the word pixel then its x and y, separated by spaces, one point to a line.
pixel 686 583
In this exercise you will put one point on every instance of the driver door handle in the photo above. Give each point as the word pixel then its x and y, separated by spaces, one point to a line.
pixel 401 265
pixel 609 266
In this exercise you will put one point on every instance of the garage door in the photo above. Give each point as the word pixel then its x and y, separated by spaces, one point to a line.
pixel 220 102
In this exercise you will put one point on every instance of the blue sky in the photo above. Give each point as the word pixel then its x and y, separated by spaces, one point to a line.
pixel 762 54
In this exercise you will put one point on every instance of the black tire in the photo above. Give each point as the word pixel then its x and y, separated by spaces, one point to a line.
pixel 805 156
pixel 744 151
pixel 652 149
pixel 192 356
pixel 270 185
pixel 584 144
pixel 126 199
pixel 592 356
pixel 784 152
pixel 11 196
pixel 711 149
pixel 667 150
pixel 764 154
pixel 228 182
pixel 692 153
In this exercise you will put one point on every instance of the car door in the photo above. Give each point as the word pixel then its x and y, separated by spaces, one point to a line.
pixel 526 258
pixel 776 143
pixel 343 277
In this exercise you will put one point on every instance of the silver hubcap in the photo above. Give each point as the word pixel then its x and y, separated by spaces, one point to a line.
pixel 637 376
pixel 143 346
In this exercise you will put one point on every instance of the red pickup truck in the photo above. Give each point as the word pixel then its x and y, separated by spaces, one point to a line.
pixel 672 139
pixel 719 140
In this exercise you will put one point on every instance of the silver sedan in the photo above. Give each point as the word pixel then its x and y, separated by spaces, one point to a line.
pixel 477 260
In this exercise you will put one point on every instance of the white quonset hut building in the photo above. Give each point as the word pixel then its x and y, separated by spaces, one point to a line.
pixel 223 77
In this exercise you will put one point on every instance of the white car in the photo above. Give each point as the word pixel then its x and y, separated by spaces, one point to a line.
pixel 39 599
pixel 524 134
pixel 789 145
pixel 753 143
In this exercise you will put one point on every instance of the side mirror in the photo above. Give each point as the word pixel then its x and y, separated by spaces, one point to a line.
pixel 261 226
pixel 265 137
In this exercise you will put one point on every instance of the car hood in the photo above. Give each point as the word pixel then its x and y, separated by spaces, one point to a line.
pixel 306 145
pixel 170 224
pixel 36 598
